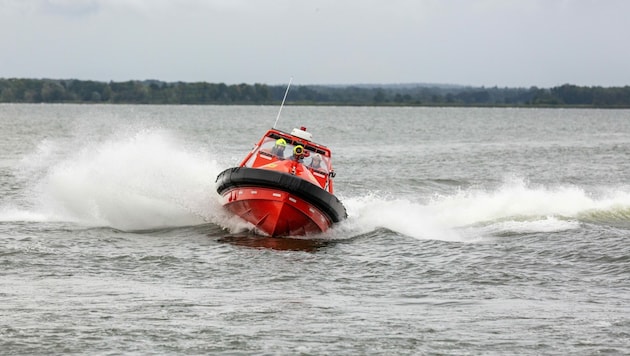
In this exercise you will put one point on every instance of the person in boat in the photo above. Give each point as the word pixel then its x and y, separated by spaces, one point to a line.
pixel 316 162
pixel 278 148
pixel 298 153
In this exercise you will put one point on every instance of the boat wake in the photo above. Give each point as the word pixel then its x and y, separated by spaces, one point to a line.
pixel 152 180
pixel 513 208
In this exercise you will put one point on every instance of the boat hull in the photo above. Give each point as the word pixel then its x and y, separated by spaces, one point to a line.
pixel 278 204
pixel 275 212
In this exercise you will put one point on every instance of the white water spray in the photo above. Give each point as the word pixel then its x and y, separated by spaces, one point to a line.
pixel 514 207
pixel 130 182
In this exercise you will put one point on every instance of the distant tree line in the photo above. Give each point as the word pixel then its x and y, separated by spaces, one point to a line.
pixel 130 92
pixel 158 92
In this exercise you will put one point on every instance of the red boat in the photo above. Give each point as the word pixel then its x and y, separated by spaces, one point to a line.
pixel 284 186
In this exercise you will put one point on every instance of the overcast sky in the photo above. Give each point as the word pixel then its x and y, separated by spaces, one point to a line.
pixel 513 43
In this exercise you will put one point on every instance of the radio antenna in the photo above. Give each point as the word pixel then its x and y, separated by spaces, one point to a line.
pixel 281 105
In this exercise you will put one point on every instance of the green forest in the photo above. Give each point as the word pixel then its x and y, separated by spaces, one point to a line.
pixel 158 92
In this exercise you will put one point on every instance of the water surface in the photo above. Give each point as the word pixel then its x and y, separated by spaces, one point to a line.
pixel 470 231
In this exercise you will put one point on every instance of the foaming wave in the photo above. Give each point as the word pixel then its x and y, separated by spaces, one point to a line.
pixel 514 207
pixel 140 181
pixel 513 199
pixel 518 201
pixel 414 219
pixel 548 224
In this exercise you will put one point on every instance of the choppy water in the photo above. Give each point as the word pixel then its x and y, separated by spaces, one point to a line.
pixel 470 231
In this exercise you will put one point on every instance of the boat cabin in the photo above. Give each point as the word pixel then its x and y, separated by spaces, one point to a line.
pixel 279 146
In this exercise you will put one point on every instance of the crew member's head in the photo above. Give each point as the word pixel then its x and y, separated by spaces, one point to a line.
pixel 281 144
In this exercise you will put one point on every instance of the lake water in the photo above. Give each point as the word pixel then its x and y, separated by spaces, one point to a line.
pixel 470 231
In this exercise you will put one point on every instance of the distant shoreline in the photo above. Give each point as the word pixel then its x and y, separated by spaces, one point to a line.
pixel 16 90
